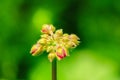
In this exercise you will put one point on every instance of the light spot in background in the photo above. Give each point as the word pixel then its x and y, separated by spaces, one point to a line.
pixel 86 65
pixel 41 17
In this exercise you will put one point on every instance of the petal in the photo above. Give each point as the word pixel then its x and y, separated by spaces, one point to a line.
pixel 64 53
pixel 59 55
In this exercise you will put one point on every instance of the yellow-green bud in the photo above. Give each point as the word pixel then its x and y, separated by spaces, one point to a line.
pixel 65 37
pixel 59 32
pixel 73 36
pixel 42 41
pixel 51 56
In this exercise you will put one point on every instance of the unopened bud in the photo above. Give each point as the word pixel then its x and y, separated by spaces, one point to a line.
pixel 74 39
pixel 42 41
pixel 59 32
pixel 70 45
pixel 48 29
pixel 65 37
pixel 61 52
pixel 51 56
pixel 73 36
pixel 36 49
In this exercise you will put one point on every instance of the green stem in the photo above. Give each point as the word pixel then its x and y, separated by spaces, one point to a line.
pixel 54 70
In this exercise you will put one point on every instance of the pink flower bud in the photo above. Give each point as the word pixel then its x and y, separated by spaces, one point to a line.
pixel 36 49
pixel 48 29
pixel 61 52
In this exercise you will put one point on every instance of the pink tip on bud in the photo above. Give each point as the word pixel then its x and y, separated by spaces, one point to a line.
pixel 61 52
pixel 36 49
pixel 48 29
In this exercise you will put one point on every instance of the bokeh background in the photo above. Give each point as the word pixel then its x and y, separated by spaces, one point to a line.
pixel 96 22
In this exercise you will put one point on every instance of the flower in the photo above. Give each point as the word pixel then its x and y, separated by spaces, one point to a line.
pixel 74 38
pixel 48 29
pixel 59 32
pixel 42 41
pixel 51 56
pixel 55 43
pixel 61 52
pixel 36 49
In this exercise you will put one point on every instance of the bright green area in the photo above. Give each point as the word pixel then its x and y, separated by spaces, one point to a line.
pixel 96 22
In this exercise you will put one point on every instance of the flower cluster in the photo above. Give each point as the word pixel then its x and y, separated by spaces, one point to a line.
pixel 54 42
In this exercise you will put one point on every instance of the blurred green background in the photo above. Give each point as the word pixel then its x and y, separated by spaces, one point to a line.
pixel 96 22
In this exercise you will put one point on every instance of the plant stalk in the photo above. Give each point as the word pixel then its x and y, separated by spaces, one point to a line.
pixel 54 70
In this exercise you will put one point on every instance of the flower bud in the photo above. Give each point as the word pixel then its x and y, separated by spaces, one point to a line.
pixel 70 45
pixel 48 29
pixel 51 56
pixel 74 37
pixel 36 49
pixel 59 32
pixel 42 41
pixel 65 37
pixel 61 52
